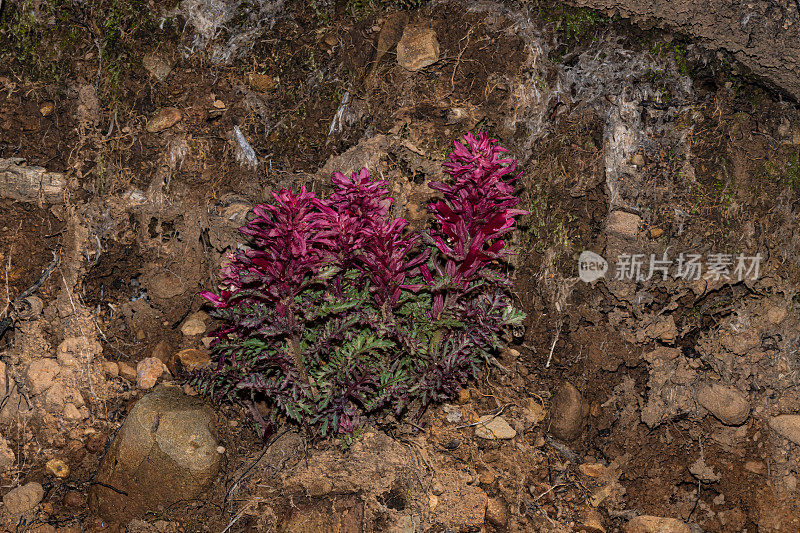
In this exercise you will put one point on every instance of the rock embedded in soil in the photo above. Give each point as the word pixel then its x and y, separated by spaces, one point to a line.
pixel 624 224
pixel 73 498
pixel 195 324
pixel 7 457
pixel 261 82
pixel 41 374
pixel 110 368
pixel 701 471
pixel 497 512
pixel 593 522
pixel 193 359
pixel 57 467
pixel 568 413
pixel 126 372
pixel 23 499
pixel 158 67
pixel 47 108
pixel 418 48
pixel 726 403
pixel 776 314
pixel 655 524
pixel 148 371
pixel 494 428
pixel 787 426
pixel 71 412
pixel 29 183
pixel 165 118
pixel 165 452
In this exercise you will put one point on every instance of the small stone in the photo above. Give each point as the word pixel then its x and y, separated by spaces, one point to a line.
pixel 193 359
pixel 756 467
pixel 73 498
pixel 784 128
pixel 165 285
pixel 47 108
pixel 595 470
pixel 492 428
pixel 126 372
pixel 96 442
pixel 486 477
pixel 568 413
pixel 219 104
pixel 776 314
pixel 701 471
pixel 207 342
pixel 220 449
pixel 433 501
pixel 437 488
pixel 195 324
pixel 261 82
pixel 533 412
pixel 163 351
pixel 7 457
pixel 148 371
pixel 57 467
pixel 637 160
pixel 188 390
pixel 497 512
pixel 656 232
pixel 463 396
pixel 726 403
pixel 593 521
pixel 787 426
pixel 71 412
pixel 165 118
pixel 41 374
pixel 656 524
pixel 110 368
pixel 24 498
pixel 418 48
pixel 624 224
pixel 157 67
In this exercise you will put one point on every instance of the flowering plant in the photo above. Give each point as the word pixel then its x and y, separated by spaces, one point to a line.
pixel 335 312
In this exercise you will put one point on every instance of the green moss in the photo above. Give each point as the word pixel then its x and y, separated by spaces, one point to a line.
pixel 573 23
pixel 675 51
pixel 39 40
pixel 793 171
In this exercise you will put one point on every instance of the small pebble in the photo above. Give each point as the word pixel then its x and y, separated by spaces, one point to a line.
pixel 58 468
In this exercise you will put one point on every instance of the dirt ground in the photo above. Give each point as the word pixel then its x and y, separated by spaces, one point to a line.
pixel 623 392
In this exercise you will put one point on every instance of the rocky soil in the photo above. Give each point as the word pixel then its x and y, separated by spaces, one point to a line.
pixel 135 137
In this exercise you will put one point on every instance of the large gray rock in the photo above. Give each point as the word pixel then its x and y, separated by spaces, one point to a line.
pixel 165 451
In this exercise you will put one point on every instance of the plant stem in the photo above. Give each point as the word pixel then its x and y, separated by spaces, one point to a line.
pixel 297 355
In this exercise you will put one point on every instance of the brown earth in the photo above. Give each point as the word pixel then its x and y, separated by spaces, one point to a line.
pixel 630 141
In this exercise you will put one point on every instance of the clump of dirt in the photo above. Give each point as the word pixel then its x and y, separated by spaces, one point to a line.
pixel 638 146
